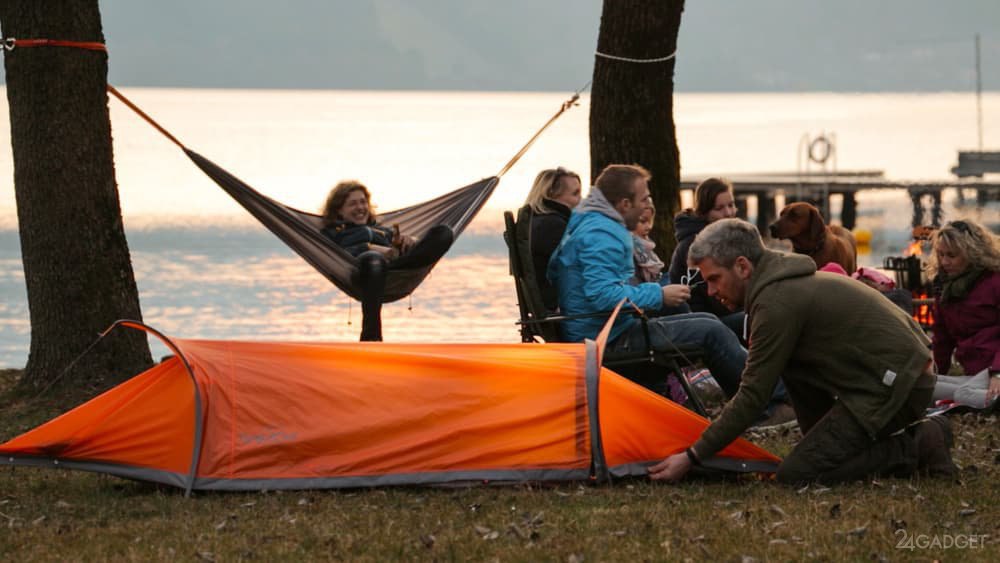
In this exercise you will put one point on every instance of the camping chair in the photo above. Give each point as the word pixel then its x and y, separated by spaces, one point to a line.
pixel 644 367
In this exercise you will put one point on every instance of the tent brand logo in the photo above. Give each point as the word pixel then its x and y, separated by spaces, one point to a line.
pixel 276 437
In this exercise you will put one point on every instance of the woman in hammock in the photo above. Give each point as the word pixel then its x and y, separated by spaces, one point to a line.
pixel 349 221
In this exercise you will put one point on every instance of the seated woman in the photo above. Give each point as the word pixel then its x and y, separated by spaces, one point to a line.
pixel 713 200
pixel 554 194
pixel 966 264
pixel 349 221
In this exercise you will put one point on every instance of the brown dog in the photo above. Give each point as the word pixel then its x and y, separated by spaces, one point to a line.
pixel 802 224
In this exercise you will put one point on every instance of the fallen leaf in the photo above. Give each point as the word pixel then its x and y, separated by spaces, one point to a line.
pixel 835 511
pixel 967 512
pixel 220 525
pixel 619 533
pixel 249 504
pixel 492 535
pixel 777 541
pixel 482 530
pixel 63 504
pixel 38 520
pixel 858 532
pixel 303 501
pixel 520 532
pixel 777 510
pixel 205 555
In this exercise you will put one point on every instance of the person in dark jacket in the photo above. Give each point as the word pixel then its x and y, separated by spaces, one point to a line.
pixel 966 268
pixel 349 221
pixel 554 194
pixel 857 368
pixel 713 200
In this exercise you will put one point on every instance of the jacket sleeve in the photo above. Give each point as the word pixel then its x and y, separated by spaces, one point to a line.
pixel 942 343
pixel 679 260
pixel 600 258
pixel 774 333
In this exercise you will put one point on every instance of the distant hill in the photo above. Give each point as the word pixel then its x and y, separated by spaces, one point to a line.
pixel 725 45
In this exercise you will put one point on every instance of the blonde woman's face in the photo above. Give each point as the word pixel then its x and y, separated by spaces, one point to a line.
pixel 569 192
pixel 950 260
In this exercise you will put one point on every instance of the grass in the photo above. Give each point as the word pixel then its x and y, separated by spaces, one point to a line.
pixel 48 515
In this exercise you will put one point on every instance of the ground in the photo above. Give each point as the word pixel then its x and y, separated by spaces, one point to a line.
pixel 54 515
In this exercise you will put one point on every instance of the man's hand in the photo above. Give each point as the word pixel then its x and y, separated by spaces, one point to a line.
pixel 671 469
pixel 675 294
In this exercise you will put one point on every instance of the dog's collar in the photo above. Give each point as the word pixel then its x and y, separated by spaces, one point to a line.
pixel 813 250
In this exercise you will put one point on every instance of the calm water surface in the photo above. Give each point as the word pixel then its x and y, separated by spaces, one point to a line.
pixel 204 269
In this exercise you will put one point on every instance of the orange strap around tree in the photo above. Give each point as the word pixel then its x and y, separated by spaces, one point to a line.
pixel 9 43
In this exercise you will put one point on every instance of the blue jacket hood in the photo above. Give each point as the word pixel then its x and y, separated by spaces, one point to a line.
pixel 592 267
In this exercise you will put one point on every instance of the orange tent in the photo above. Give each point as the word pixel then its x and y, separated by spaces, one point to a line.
pixel 288 415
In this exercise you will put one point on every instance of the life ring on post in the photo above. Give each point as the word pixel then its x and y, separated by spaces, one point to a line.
pixel 820 149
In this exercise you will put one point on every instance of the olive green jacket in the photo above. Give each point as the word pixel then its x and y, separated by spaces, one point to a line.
pixel 830 338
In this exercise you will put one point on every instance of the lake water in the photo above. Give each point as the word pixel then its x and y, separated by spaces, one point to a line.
pixel 205 269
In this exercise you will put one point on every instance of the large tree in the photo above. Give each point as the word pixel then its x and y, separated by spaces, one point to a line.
pixel 631 108
pixel 77 268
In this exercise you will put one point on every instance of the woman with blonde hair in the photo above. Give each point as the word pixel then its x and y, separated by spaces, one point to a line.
pixel 554 194
pixel 965 264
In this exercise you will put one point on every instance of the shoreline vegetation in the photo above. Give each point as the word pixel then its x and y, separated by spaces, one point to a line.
pixel 49 515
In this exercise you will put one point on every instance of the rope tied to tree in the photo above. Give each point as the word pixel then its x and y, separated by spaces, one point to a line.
pixel 631 60
pixel 10 43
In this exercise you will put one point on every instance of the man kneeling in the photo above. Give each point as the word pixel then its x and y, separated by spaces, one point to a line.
pixel 856 367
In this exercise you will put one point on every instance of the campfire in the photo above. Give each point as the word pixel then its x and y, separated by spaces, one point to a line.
pixel 909 271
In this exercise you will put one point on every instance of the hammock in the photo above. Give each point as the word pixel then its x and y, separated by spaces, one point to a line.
pixel 301 231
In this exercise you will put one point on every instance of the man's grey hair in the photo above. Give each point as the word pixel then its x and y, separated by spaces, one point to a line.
pixel 726 240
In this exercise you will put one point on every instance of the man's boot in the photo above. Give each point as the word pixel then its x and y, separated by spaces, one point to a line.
pixel 934 438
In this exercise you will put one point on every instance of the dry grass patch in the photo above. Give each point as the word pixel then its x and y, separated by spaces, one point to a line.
pixel 51 515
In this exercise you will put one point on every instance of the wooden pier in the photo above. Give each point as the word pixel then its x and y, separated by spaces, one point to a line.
pixel 817 189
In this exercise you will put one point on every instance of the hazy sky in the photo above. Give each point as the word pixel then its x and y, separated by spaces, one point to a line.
pixel 725 45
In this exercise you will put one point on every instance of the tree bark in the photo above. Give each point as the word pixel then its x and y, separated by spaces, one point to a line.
pixel 631 107
pixel 77 268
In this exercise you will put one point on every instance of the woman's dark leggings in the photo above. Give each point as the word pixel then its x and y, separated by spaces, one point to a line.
pixel 373 268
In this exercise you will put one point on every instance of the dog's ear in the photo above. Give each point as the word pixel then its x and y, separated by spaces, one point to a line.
pixel 816 224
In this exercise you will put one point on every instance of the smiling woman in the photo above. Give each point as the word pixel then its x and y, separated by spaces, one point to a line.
pixel 349 221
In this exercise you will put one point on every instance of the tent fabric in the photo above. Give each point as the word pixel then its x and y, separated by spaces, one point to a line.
pixel 230 415
pixel 301 230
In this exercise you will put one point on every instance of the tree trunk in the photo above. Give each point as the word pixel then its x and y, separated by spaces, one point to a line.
pixel 631 107
pixel 77 268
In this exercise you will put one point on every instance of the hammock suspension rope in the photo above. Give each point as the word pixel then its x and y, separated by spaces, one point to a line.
pixel 631 60
pixel 10 43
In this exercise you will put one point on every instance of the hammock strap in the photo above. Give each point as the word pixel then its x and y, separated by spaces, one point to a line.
pixel 565 106
pixel 9 43
pixel 143 115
